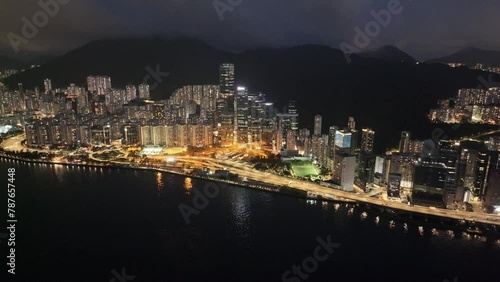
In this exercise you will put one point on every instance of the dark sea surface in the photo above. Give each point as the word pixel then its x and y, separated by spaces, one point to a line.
pixel 94 224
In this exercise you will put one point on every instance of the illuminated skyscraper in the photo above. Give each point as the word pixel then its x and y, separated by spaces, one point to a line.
pixel 98 84
pixel 317 125
pixel 47 83
pixel 351 124
pixel 284 126
pixel 131 92
pixel 365 171
pixel 404 143
pixel 226 104
pixel 492 197
pixel 144 91
pixel 394 185
pixel 292 109
pixel 343 171
pixel 367 139
pixel 242 113
pixel 226 80
pixel 343 140
pixel 332 133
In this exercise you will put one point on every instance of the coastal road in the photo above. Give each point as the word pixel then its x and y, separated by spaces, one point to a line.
pixel 245 170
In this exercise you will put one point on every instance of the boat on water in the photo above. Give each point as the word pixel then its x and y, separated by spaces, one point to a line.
pixel 392 224
pixel 336 206
pixel 480 238
pixel 421 230
pixel 405 226
pixel 434 232
pixel 474 231
pixel 351 210
pixel 466 235
pixel 364 215
pixel 377 219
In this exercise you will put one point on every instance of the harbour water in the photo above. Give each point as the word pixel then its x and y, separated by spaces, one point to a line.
pixel 89 224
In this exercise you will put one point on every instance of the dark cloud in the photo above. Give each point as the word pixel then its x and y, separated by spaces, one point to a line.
pixel 424 28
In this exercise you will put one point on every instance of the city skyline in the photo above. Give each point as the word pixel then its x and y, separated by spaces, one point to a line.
pixel 229 114
pixel 236 140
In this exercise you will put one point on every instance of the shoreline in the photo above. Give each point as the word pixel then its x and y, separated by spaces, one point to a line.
pixel 287 191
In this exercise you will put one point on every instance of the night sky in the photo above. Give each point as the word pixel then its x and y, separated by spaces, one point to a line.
pixel 424 28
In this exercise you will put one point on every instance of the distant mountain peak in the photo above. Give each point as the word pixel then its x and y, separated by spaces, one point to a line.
pixel 388 53
pixel 471 56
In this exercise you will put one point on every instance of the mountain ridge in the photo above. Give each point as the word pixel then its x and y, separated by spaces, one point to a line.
pixel 471 56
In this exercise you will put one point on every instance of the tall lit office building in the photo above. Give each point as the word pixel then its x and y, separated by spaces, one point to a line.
pixel 292 109
pixel 394 185
pixel 403 164
pixel 492 196
pixel 226 104
pixel 226 80
pixel 365 171
pixel 343 171
pixel 367 139
pixel 242 113
pixel 351 124
pixel 317 125
pixel 343 140
pixel 285 126
pixel 404 143
pixel 332 133
pixel 226 101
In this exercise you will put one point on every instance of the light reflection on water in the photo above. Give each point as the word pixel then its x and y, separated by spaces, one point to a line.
pixel 241 215
pixel 59 171
pixel 188 185
pixel 241 208
pixel 159 182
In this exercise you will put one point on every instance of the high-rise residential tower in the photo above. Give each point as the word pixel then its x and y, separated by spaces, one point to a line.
pixel 317 125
